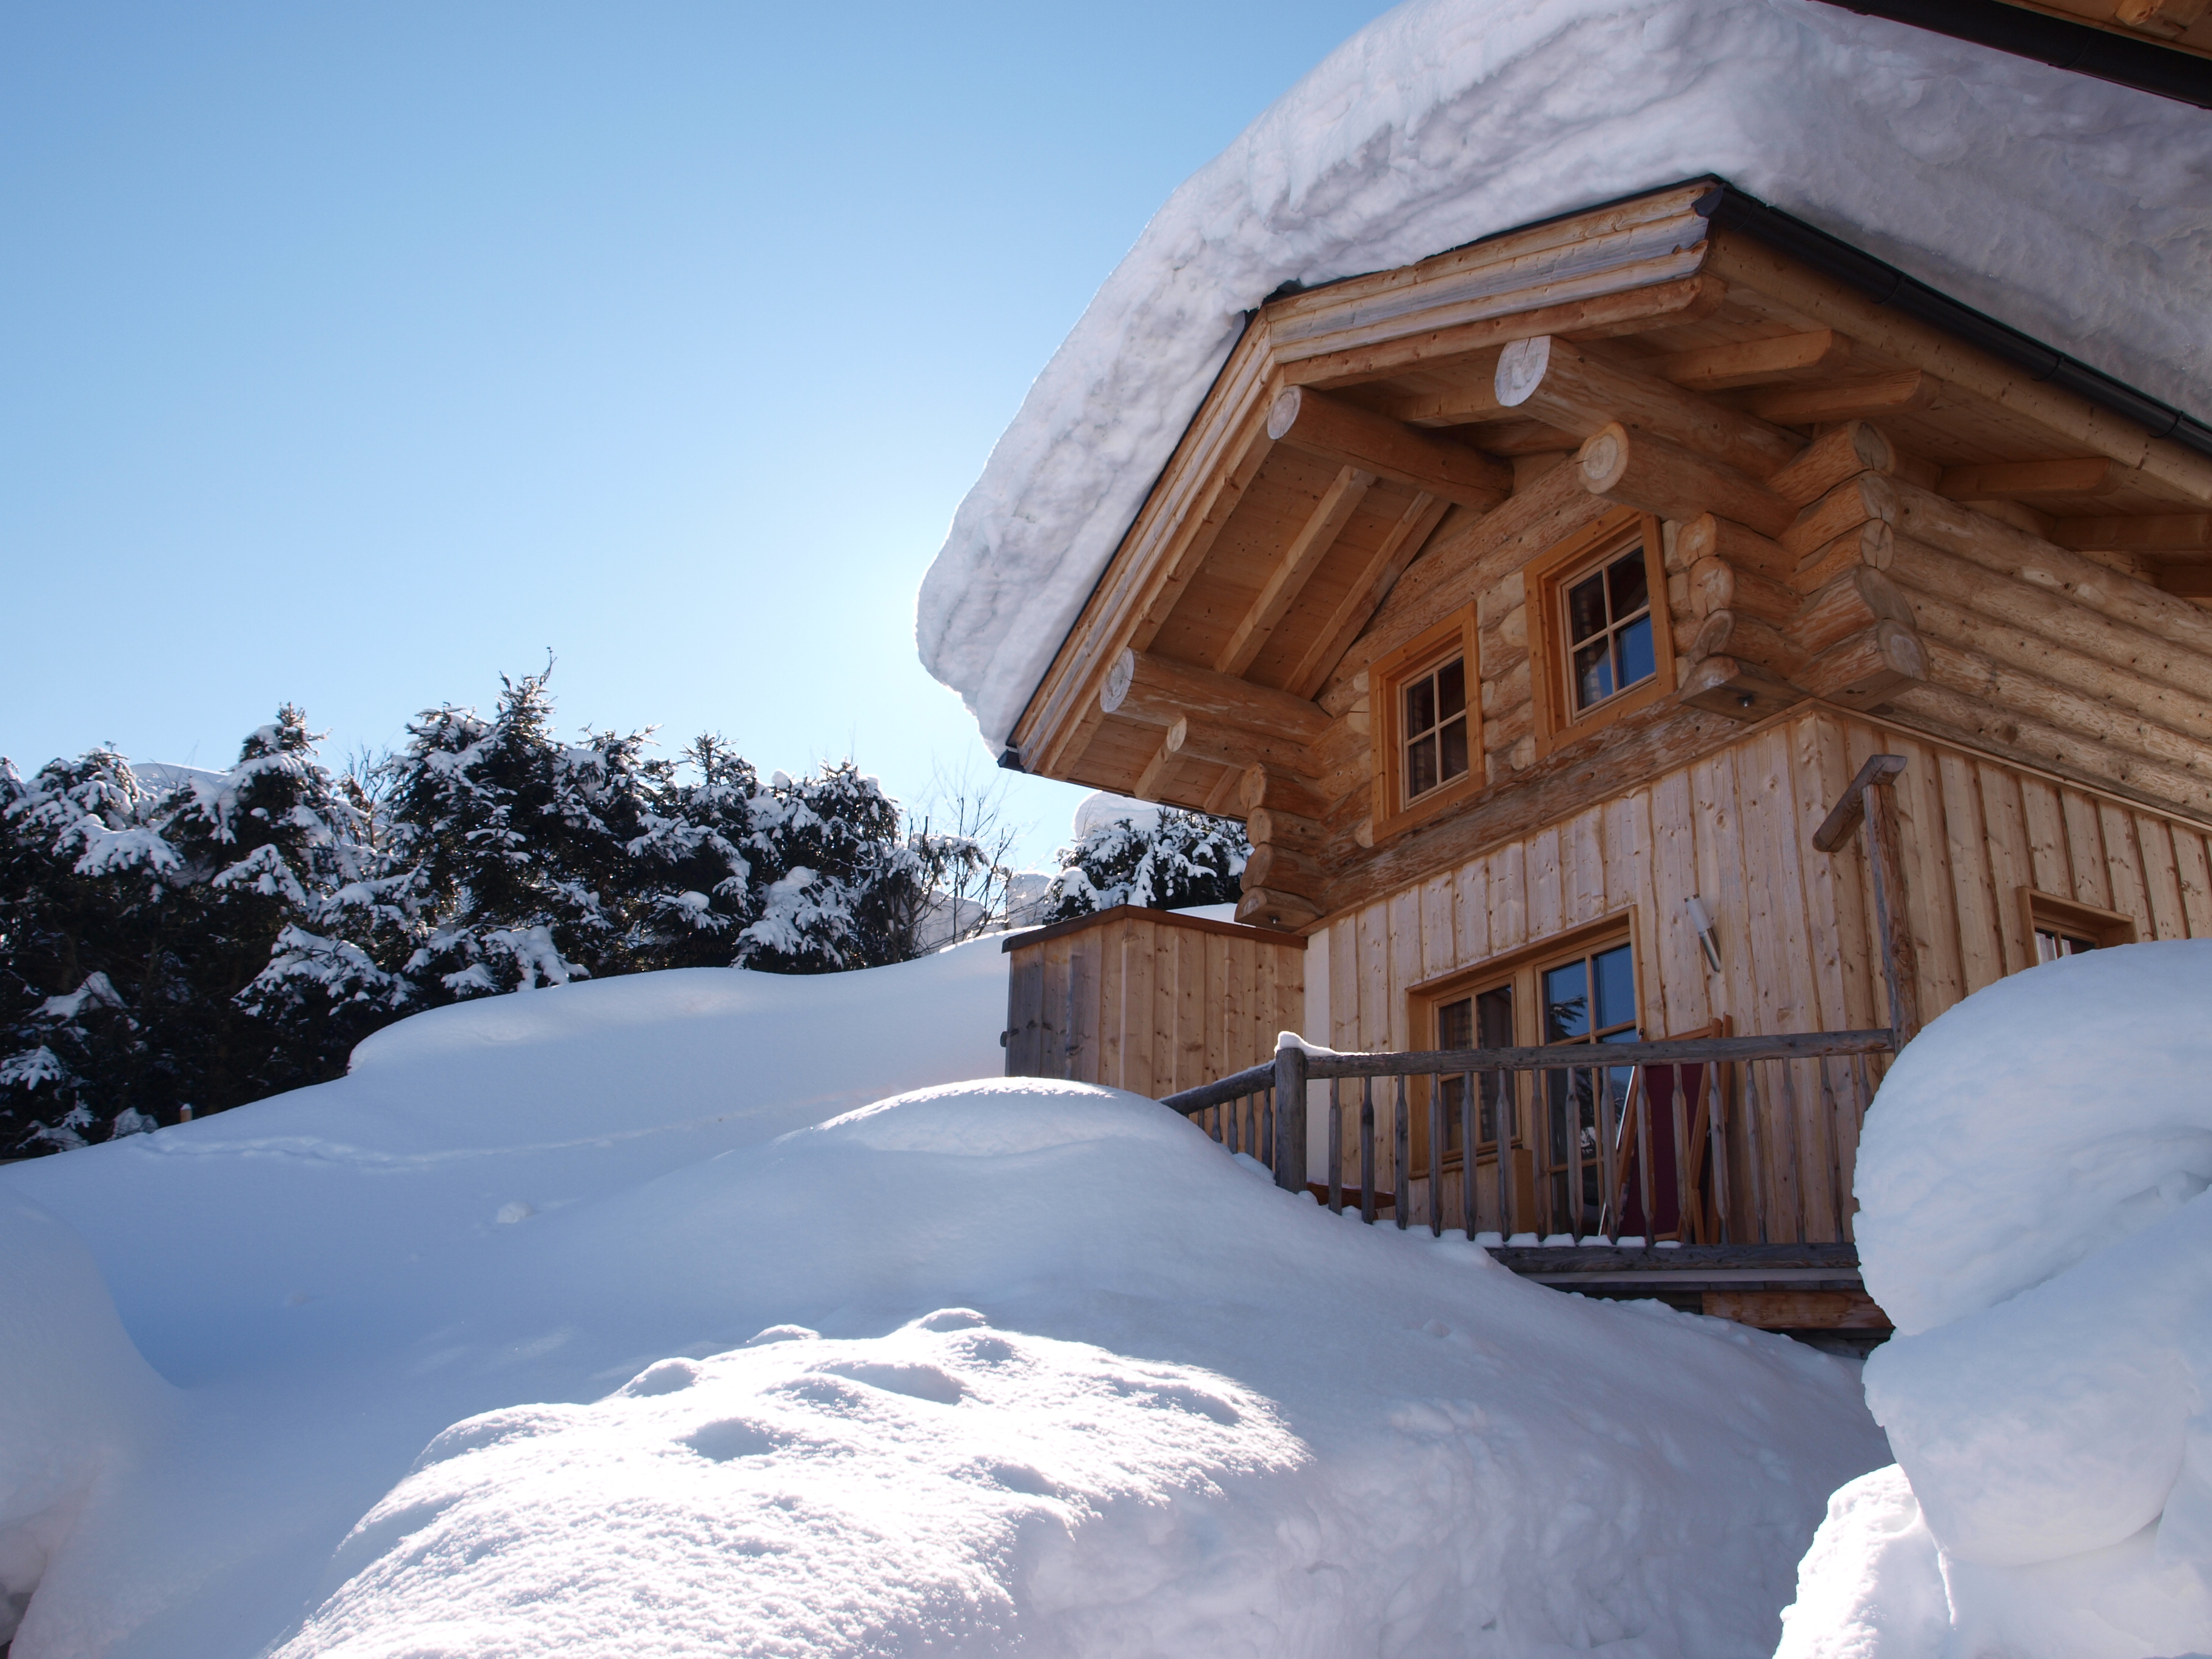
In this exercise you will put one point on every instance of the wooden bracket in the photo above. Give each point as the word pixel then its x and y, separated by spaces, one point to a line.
pixel 1868 798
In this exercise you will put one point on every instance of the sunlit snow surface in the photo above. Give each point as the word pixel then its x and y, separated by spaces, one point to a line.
pixel 507 1345
pixel 2076 210
pixel 2031 1183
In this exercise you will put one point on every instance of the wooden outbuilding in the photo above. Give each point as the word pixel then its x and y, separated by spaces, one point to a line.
pixel 1535 605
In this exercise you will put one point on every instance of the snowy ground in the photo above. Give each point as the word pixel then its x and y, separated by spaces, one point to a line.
pixel 1083 1383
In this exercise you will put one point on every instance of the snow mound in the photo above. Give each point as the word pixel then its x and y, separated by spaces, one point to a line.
pixel 2031 1183
pixel 2067 207
pixel 77 1405
pixel 889 1495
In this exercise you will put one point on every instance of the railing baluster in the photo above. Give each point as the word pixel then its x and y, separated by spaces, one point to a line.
pixel 1336 1146
pixel 1402 1173
pixel 1608 1158
pixel 1717 1153
pixel 1470 1119
pixel 1646 1189
pixel 1680 1129
pixel 1437 1156
pixel 1367 1150
pixel 1508 1192
pixel 1756 1154
pixel 1267 1129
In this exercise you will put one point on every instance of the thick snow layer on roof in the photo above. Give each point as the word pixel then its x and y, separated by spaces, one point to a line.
pixel 2075 211
pixel 507 1344
pixel 2033 1183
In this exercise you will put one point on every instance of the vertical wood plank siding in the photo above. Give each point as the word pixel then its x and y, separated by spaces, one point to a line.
pixel 1795 927
pixel 1150 1004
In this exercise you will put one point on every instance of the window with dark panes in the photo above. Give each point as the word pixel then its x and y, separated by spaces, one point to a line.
pixel 1609 639
pixel 1435 729
pixel 1588 1001
pixel 1484 1020
pixel 2051 943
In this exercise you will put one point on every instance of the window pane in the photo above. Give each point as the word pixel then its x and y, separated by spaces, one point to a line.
pixel 1451 690
pixel 1633 642
pixel 1616 987
pixel 1420 766
pixel 1567 1003
pixel 1593 674
pixel 1453 760
pixel 1585 609
pixel 1420 705
pixel 1455 1025
pixel 1628 584
pixel 1494 1019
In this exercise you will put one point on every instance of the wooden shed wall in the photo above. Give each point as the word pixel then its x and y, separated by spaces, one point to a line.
pixel 1795 927
pixel 1151 1001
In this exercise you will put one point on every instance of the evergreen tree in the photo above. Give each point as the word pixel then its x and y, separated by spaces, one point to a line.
pixel 1176 861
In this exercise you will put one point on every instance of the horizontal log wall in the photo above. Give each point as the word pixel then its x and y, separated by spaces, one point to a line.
pixel 1151 1004
pixel 1795 928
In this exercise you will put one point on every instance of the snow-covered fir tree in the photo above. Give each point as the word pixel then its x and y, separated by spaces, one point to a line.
pixel 1163 860
pixel 218 937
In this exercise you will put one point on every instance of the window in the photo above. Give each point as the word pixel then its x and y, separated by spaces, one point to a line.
pixel 1598 638
pixel 1435 724
pixel 1576 992
pixel 1426 698
pixel 2062 927
pixel 1608 619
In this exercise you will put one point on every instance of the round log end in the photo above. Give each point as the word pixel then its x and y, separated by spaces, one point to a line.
pixel 1521 368
pixel 1604 459
pixel 1178 734
pixel 1283 413
pixel 1901 650
pixel 1119 676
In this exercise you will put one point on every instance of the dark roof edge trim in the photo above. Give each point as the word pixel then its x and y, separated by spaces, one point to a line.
pixel 1728 208
pixel 2143 65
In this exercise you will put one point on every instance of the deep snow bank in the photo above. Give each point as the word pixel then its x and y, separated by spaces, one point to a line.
pixel 2031 1184
pixel 1083 1383
pixel 2069 208
pixel 1087 1385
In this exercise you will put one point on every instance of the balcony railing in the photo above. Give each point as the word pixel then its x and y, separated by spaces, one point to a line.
pixel 1702 1141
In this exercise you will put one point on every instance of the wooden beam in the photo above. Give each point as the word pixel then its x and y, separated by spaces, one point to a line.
pixel 1284 828
pixel 2085 475
pixel 1148 782
pixel 2159 533
pixel 1160 690
pixel 1264 907
pixel 1655 476
pixel 1869 801
pixel 1883 394
pixel 1315 537
pixel 1397 549
pixel 1196 737
pixel 1852 448
pixel 1260 788
pixel 2186 581
pixel 1580 394
pixel 1472 396
pixel 1754 362
pixel 1352 436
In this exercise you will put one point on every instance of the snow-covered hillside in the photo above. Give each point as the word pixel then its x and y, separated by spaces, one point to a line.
pixel 2071 208
pixel 533 1297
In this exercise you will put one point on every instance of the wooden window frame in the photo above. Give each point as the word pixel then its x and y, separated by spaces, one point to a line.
pixel 2047 912
pixel 1522 967
pixel 1545 581
pixel 1386 681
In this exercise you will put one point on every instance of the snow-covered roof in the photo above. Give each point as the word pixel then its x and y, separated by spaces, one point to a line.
pixel 2075 210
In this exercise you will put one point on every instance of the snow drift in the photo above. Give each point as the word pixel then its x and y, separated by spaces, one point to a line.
pixel 2031 1185
pixel 2067 207
pixel 982 1366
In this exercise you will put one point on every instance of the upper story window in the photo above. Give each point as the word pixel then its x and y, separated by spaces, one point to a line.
pixel 1608 621
pixel 1435 727
pixel 1599 633
pixel 1426 701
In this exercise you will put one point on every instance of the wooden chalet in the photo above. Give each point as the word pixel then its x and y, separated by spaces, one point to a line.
pixel 1535 606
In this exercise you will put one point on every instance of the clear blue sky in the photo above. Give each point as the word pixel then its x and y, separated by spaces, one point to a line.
pixel 354 354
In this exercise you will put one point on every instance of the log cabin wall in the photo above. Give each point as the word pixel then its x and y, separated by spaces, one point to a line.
pixel 1794 927
pixel 1149 1000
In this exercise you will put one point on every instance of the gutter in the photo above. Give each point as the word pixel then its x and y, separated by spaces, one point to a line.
pixel 2084 48
pixel 1727 207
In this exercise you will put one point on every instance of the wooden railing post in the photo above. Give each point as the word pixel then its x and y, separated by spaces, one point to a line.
pixel 1291 1116
pixel 1869 798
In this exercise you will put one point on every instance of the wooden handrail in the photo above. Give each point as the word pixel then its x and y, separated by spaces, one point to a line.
pixel 1453 1062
